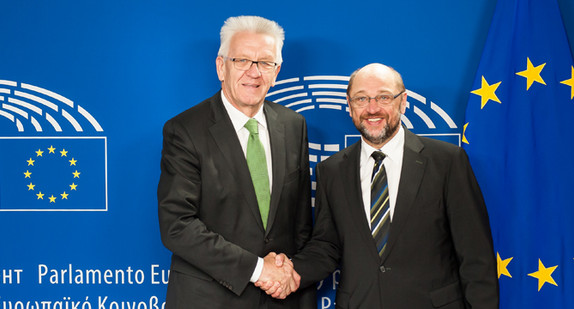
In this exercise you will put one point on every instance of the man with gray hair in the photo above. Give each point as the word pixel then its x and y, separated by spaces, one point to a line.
pixel 235 185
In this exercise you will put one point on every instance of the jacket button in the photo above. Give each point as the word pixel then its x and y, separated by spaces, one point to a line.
pixel 267 240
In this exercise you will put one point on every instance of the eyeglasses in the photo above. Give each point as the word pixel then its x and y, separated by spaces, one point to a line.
pixel 384 99
pixel 245 64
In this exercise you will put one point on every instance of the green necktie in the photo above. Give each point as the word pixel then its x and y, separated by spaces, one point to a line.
pixel 258 169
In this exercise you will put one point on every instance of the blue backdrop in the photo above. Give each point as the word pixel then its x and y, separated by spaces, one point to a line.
pixel 85 88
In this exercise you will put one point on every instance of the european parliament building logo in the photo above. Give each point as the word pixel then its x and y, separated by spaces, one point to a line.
pixel 53 156
pixel 322 100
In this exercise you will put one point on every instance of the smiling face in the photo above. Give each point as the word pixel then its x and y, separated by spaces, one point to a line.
pixel 377 124
pixel 246 90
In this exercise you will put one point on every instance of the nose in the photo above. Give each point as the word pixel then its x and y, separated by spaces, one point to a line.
pixel 372 105
pixel 254 70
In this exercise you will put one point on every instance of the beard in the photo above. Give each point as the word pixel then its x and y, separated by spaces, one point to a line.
pixel 383 136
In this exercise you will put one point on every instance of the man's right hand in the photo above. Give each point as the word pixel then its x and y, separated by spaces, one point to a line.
pixel 278 278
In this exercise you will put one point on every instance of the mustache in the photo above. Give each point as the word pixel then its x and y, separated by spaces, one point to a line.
pixel 383 135
pixel 374 116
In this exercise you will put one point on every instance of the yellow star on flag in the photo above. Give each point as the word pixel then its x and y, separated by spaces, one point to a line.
pixel 487 92
pixel 40 195
pixel 544 275
pixel 27 174
pixel 31 187
pixel 51 149
pixel 64 195
pixel 464 140
pixel 73 161
pixel 30 162
pixel 52 199
pixel 64 153
pixel 76 174
pixel 570 82
pixel 39 153
pixel 502 266
pixel 532 74
pixel 73 186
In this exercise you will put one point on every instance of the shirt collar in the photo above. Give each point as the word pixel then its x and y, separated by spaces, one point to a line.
pixel 392 149
pixel 239 119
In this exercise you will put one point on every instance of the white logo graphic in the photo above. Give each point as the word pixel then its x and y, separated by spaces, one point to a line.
pixel 50 173
pixel 40 108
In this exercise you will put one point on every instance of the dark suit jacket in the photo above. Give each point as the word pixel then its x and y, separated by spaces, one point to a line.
pixel 208 211
pixel 439 253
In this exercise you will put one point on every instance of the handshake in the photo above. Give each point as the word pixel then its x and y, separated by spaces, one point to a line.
pixel 278 278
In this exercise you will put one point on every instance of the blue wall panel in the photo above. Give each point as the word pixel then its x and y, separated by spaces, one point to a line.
pixel 131 65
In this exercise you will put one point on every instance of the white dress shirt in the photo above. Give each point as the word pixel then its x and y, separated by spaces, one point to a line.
pixel 393 163
pixel 239 119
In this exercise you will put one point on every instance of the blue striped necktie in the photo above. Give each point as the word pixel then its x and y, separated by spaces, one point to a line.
pixel 380 220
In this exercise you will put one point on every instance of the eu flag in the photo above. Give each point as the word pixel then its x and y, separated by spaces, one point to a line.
pixel 53 174
pixel 519 137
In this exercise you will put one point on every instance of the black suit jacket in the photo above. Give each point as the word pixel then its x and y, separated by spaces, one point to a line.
pixel 208 212
pixel 439 253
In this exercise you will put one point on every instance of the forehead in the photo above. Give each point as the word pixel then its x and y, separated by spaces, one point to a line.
pixel 248 43
pixel 374 80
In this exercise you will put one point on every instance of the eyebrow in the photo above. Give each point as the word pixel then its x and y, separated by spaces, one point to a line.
pixel 363 92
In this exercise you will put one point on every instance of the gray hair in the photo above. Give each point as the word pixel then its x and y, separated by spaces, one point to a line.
pixel 256 24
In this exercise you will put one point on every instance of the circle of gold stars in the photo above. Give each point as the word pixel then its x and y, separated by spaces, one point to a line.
pixel 52 197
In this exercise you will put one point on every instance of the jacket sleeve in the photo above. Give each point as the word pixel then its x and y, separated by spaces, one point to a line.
pixel 320 256
pixel 470 229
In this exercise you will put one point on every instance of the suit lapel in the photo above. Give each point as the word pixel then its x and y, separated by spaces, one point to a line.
pixel 278 149
pixel 350 167
pixel 226 139
pixel 411 177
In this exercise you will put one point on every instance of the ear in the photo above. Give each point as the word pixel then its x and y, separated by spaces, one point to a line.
pixel 403 105
pixel 219 63
pixel 275 77
pixel 350 108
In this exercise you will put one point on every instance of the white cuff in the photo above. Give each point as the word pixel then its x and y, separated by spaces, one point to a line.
pixel 258 270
